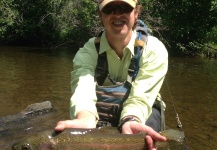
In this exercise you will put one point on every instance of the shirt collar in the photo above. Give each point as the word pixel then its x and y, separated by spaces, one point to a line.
pixel 104 45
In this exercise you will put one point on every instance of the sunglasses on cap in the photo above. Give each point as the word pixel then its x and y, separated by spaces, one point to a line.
pixel 123 8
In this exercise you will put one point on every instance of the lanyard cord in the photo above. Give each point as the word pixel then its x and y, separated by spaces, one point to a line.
pixel 179 124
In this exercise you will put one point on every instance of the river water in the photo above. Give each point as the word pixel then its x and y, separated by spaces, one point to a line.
pixel 32 75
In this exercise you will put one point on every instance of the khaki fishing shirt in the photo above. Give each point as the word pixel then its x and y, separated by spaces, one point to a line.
pixel 152 70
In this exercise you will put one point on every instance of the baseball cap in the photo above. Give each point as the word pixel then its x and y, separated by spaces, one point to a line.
pixel 103 3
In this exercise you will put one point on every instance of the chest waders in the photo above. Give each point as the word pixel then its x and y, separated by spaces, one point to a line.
pixel 110 99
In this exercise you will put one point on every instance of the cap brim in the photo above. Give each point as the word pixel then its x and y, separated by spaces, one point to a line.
pixel 106 2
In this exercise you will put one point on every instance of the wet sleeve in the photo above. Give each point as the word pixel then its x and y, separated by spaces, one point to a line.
pixel 152 71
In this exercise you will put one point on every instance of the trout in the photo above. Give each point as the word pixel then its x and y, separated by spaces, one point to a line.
pixel 96 139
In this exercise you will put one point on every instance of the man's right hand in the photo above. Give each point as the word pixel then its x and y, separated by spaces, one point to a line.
pixel 84 119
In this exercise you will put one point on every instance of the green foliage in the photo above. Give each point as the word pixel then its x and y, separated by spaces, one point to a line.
pixel 32 23
pixel 212 36
pixel 183 24
pixel 75 20
pixel 188 25
pixel 7 16
pixel 83 20
pixel 210 48
pixel 46 22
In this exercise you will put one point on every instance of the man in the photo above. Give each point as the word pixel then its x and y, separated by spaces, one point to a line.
pixel 119 18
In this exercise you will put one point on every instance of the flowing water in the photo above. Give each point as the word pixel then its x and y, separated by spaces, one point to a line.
pixel 32 75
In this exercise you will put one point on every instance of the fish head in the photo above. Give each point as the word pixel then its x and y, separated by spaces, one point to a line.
pixel 32 145
pixel 38 141
pixel 22 145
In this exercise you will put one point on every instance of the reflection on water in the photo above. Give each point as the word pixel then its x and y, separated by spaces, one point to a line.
pixel 31 75
pixel 193 85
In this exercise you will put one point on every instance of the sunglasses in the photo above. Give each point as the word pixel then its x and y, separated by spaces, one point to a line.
pixel 111 9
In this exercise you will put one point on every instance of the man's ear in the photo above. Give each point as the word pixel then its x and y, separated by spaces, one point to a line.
pixel 136 14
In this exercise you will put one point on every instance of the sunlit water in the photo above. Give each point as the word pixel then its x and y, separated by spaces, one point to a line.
pixel 32 75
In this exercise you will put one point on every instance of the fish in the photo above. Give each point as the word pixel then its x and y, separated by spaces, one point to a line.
pixel 105 138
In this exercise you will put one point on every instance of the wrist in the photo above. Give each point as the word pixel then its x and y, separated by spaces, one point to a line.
pixel 126 119
pixel 86 115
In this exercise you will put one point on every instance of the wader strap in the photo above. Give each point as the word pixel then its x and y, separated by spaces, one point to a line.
pixel 102 69
pixel 162 106
pixel 102 63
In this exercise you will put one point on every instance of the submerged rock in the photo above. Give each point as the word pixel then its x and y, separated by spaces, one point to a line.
pixel 13 127
pixel 30 111
pixel 37 109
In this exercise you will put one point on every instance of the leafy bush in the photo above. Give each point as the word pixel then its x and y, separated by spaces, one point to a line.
pixel 47 22
pixel 185 25
pixel 182 24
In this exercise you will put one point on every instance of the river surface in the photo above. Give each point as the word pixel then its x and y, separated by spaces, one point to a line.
pixel 32 75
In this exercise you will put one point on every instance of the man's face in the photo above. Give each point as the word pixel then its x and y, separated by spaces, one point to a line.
pixel 118 18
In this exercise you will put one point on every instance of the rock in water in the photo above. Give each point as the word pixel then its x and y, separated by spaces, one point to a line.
pixel 37 108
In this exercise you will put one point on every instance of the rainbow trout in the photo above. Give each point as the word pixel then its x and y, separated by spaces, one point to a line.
pixel 94 139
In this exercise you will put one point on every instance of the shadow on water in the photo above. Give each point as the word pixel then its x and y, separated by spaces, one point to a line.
pixel 32 75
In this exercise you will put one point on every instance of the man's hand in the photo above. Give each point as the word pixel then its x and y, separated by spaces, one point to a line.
pixel 133 127
pixel 84 119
